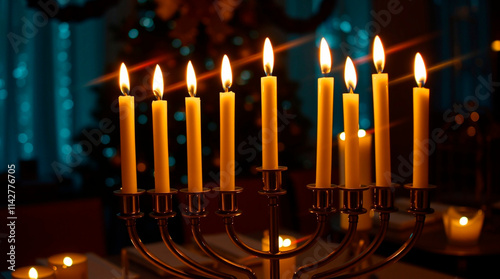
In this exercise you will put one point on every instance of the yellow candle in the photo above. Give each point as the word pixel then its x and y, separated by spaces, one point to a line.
pixel 269 111
pixel 351 123
pixel 288 265
pixel 325 120
pixel 69 266
pixel 381 117
pixel 227 163
pixel 160 135
pixel 365 169
pixel 420 126
pixel 127 134
pixel 193 134
pixel 33 272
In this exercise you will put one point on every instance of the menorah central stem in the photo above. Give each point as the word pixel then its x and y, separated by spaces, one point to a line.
pixel 274 247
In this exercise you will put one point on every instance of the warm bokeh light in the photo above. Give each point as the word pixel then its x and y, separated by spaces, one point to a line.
pixel 459 119
pixel 33 274
pixel 361 134
pixel 471 131
pixel 287 242
pixel 191 79
pixel 158 83
pixel 420 72
pixel 124 81
pixel 378 55
pixel 463 221
pixel 350 75
pixel 495 45
pixel 67 261
pixel 141 167
pixel 325 58
pixel 268 58
pixel 226 74
pixel 474 116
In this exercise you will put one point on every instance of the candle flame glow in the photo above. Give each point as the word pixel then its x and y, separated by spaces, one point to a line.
pixel 67 261
pixel 124 81
pixel 284 242
pixel 268 57
pixel 420 71
pixel 378 55
pixel 33 274
pixel 191 79
pixel 325 58
pixel 158 83
pixel 350 75
pixel 226 73
pixel 361 134
pixel 463 221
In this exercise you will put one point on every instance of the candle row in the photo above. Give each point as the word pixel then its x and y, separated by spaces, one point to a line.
pixel 269 125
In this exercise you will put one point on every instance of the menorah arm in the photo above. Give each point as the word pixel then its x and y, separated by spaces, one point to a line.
pixel 162 224
pixel 141 248
pixel 198 237
pixel 351 232
pixel 396 256
pixel 282 254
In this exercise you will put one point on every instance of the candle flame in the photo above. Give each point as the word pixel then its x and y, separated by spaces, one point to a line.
pixel 226 73
pixel 124 81
pixel 325 57
pixel 67 261
pixel 463 221
pixel 350 75
pixel 33 274
pixel 268 57
pixel 378 55
pixel 191 79
pixel 420 71
pixel 158 83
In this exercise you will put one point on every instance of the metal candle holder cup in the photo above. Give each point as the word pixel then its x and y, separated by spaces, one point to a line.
pixel 420 202
pixel 162 204
pixel 228 202
pixel 195 206
pixel 322 199
pixel 353 200
pixel 272 180
pixel 129 207
pixel 383 198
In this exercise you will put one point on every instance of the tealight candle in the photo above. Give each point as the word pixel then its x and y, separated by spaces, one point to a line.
pixel 33 272
pixel 463 225
pixel 287 266
pixel 69 266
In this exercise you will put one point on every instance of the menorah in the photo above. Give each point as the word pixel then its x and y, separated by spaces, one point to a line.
pixel 322 206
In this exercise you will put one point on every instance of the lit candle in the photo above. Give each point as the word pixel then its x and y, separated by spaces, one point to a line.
pixel 365 177
pixel 381 117
pixel 227 179
pixel 33 272
pixel 69 266
pixel 193 133
pixel 325 120
pixel 127 134
pixel 420 126
pixel 351 123
pixel 160 135
pixel 269 111
pixel 463 225
pixel 288 265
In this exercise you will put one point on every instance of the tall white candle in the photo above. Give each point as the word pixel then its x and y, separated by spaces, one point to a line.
pixel 193 134
pixel 420 126
pixel 227 163
pixel 351 123
pixel 325 120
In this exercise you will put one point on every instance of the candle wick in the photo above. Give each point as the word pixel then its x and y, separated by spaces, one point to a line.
pixel 227 89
